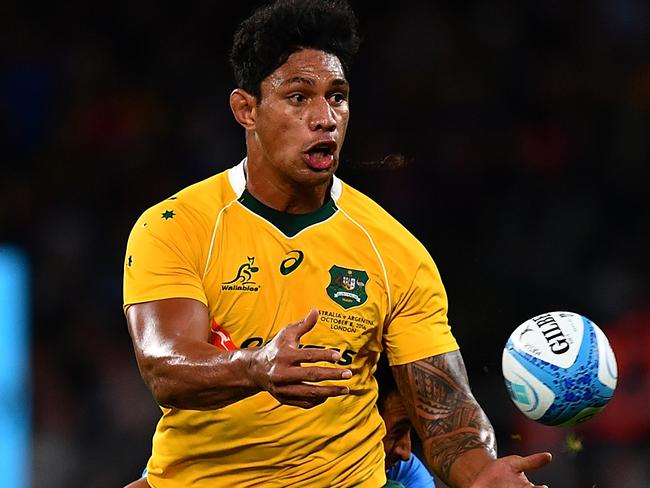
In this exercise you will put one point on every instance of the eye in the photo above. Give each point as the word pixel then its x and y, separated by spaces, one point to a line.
pixel 338 98
pixel 297 98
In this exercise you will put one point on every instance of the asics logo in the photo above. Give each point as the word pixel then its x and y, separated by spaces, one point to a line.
pixel 292 262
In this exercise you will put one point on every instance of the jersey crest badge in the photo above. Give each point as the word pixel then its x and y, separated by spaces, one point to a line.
pixel 347 286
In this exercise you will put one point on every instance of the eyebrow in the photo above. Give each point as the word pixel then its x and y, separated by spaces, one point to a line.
pixel 403 423
pixel 309 81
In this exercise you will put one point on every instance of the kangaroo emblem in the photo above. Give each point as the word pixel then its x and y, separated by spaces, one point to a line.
pixel 245 273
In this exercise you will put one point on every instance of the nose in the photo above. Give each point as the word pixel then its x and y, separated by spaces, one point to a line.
pixel 322 116
pixel 402 452
pixel 402 448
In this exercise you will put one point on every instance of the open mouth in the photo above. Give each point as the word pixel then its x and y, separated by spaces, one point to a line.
pixel 320 156
pixel 322 148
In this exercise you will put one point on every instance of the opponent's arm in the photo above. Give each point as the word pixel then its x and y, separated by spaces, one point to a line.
pixel 183 370
pixel 456 435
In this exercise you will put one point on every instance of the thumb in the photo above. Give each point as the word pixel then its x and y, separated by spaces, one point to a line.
pixel 534 461
pixel 306 324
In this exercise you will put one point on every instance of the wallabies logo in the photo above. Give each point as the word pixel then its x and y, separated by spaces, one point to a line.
pixel 243 281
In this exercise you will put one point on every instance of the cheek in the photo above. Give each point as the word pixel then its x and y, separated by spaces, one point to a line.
pixel 343 124
pixel 273 132
pixel 343 119
pixel 284 128
pixel 388 443
pixel 405 440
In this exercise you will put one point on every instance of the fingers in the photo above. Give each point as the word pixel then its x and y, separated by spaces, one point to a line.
pixel 508 472
pixel 313 355
pixel 286 369
pixel 311 373
pixel 534 461
pixel 300 328
pixel 292 334
pixel 307 396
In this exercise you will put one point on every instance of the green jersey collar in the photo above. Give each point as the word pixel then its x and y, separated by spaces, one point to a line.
pixel 289 224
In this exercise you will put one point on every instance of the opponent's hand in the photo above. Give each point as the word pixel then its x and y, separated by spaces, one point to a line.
pixel 508 472
pixel 276 367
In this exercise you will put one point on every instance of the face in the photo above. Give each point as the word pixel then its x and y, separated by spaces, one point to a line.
pixel 397 442
pixel 301 119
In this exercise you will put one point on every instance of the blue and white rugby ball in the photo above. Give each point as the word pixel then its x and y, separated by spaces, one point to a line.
pixel 559 368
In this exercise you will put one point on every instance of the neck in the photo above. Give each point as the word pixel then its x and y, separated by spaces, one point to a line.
pixel 283 195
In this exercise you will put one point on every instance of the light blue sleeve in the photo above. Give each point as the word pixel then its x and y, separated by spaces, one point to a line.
pixel 411 474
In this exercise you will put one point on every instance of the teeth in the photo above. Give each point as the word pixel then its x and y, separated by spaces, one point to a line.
pixel 320 149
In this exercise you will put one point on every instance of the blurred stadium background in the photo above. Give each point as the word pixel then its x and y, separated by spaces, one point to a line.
pixel 527 128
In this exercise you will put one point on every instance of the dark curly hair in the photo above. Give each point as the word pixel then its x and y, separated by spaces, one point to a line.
pixel 265 40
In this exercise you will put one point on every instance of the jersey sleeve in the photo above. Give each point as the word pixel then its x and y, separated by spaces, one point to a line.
pixel 418 325
pixel 163 259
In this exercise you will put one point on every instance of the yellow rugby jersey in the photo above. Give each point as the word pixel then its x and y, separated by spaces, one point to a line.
pixel 257 270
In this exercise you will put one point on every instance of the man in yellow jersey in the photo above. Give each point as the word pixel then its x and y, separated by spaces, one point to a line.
pixel 260 299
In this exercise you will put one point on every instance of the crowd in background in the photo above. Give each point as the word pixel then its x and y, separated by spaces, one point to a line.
pixel 526 131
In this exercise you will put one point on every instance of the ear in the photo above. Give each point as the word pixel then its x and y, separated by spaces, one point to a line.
pixel 244 108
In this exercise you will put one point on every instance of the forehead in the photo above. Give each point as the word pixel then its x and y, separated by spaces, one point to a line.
pixel 310 64
pixel 394 410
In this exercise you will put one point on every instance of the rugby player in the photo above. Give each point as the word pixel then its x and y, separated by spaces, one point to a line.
pixel 301 282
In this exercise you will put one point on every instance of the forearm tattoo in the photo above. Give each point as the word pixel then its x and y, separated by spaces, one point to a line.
pixel 443 410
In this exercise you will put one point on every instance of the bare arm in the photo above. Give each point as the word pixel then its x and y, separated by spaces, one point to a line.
pixel 183 370
pixel 456 435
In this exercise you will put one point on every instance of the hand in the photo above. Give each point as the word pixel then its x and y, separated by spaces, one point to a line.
pixel 276 367
pixel 508 472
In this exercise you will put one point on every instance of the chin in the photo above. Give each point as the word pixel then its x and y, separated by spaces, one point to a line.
pixel 316 176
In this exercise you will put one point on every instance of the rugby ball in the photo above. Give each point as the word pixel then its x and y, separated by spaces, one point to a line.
pixel 559 368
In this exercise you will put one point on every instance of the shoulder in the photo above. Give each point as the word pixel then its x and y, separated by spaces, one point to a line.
pixel 214 192
pixel 391 238
pixel 172 239
pixel 193 208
